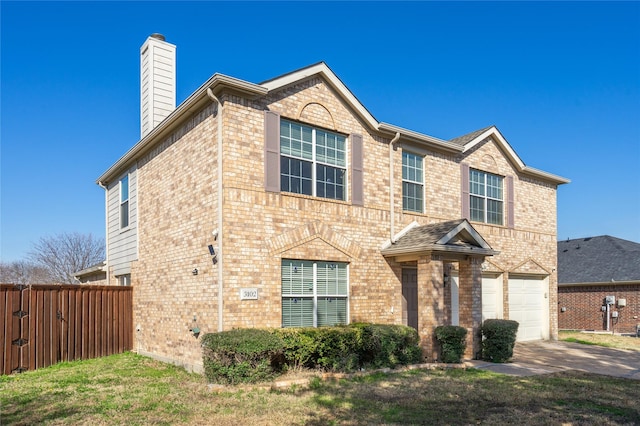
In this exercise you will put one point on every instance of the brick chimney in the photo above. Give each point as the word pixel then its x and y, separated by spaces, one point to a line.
pixel 157 82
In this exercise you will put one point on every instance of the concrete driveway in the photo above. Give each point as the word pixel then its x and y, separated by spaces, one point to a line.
pixel 543 357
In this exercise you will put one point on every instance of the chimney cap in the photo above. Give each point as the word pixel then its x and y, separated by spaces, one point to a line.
pixel 158 36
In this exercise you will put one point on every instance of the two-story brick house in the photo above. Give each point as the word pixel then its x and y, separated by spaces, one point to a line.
pixel 286 203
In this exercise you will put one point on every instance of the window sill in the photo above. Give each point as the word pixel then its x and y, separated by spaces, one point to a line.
pixel 125 229
pixel 414 213
pixel 489 224
pixel 311 197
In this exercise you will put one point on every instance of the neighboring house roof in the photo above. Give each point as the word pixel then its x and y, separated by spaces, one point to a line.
pixel 455 236
pixel 598 260
pixel 99 267
pixel 218 82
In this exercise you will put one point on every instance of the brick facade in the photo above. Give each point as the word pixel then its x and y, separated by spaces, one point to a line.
pixel 583 307
pixel 178 210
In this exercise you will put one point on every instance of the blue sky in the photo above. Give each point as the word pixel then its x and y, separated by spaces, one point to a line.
pixel 560 80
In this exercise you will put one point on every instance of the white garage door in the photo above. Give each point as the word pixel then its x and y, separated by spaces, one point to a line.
pixel 491 297
pixel 527 305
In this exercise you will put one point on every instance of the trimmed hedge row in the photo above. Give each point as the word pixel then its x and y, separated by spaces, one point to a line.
pixel 254 355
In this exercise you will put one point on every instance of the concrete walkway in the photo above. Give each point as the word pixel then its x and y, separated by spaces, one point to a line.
pixel 544 357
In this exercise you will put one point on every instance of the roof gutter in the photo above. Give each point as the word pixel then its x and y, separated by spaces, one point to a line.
pixel 558 180
pixel 391 251
pixel 392 200
pixel 193 103
pixel 607 283
pixel 106 228
pixel 214 98
pixel 430 141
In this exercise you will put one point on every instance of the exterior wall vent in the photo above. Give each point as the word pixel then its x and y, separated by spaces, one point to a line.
pixel 157 82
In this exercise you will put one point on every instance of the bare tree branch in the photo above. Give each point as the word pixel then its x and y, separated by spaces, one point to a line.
pixel 64 254
pixel 23 272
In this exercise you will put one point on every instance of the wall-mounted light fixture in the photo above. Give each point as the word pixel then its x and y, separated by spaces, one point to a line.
pixel 195 271
pixel 195 330
pixel 445 280
pixel 212 250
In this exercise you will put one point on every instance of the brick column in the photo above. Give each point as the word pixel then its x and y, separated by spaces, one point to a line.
pixel 470 299
pixel 431 312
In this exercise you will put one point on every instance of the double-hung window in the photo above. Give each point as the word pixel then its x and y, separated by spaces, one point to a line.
pixel 412 182
pixel 486 193
pixel 124 202
pixel 312 161
pixel 314 294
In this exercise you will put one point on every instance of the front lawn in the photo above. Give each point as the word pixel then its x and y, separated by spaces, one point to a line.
pixel 601 339
pixel 131 389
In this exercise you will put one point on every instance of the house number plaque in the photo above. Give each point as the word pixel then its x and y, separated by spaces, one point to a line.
pixel 248 294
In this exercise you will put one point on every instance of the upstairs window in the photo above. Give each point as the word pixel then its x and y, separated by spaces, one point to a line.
pixel 124 202
pixel 312 161
pixel 486 192
pixel 314 294
pixel 412 182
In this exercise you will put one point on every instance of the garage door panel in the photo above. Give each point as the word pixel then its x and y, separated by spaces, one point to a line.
pixel 527 306
pixel 491 298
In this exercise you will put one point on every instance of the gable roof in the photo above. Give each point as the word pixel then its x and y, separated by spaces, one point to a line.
pixel 219 82
pixel 602 259
pixel 455 236
pixel 470 140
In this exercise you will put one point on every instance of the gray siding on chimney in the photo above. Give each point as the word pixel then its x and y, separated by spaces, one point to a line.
pixel 157 83
pixel 123 242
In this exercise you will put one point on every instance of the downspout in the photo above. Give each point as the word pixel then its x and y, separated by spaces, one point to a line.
pixel 220 227
pixel 106 229
pixel 392 198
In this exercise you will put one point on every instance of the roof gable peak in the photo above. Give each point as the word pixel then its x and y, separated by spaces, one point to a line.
pixel 322 69
pixel 471 140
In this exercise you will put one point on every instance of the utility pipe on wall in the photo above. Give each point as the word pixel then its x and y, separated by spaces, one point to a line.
pixel 106 227
pixel 393 141
pixel 220 227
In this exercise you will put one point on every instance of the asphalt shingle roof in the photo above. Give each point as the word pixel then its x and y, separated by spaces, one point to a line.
pixel 453 236
pixel 462 140
pixel 598 260
pixel 426 234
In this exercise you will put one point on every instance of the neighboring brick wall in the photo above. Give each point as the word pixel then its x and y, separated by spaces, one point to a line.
pixel 177 209
pixel 583 308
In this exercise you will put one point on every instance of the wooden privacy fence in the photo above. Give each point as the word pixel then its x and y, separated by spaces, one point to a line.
pixel 46 324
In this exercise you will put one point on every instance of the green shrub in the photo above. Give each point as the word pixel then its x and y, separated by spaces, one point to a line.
pixel 326 348
pixel 498 339
pixel 300 348
pixel 241 356
pixel 452 340
pixel 388 345
pixel 254 355
pixel 337 348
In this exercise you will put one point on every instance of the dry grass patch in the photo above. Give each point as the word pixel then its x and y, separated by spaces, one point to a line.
pixel 601 339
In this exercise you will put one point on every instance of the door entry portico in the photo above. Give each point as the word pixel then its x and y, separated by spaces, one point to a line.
pixel 428 299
